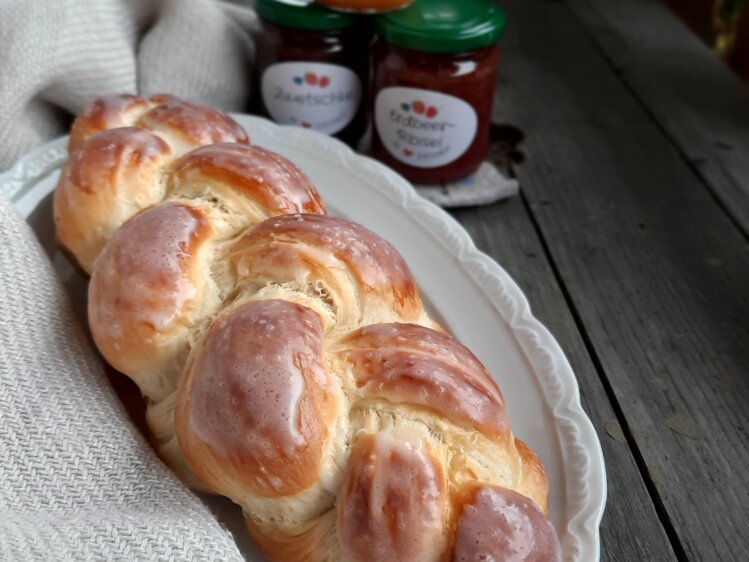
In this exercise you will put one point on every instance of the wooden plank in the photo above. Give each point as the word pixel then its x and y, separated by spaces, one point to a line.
pixel 700 103
pixel 630 529
pixel 655 270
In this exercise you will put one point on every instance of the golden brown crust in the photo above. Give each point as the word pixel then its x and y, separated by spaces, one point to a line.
pixel 120 150
pixel 393 501
pixel 109 112
pixel 113 174
pixel 534 483
pixel 415 365
pixel 254 407
pixel 291 247
pixel 267 178
pixel 195 125
pixel 501 524
pixel 117 175
pixel 146 292
pixel 288 362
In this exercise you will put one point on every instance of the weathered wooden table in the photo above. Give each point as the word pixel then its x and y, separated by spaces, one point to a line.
pixel 630 240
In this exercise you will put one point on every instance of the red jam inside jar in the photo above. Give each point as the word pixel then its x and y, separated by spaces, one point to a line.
pixel 435 70
pixel 312 68
pixel 365 6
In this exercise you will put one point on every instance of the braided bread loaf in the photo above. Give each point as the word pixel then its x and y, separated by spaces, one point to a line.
pixel 286 357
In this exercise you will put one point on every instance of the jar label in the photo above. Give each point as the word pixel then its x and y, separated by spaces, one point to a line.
pixel 314 95
pixel 422 128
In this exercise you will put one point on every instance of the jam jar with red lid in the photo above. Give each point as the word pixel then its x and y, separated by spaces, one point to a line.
pixel 312 68
pixel 435 66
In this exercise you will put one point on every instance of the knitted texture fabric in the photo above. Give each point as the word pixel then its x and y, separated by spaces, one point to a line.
pixel 57 56
pixel 77 481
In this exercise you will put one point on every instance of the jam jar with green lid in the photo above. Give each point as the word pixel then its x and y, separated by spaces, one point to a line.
pixel 435 66
pixel 312 68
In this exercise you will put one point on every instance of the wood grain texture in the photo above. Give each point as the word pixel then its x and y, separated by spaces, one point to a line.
pixel 701 105
pixel 630 529
pixel 655 270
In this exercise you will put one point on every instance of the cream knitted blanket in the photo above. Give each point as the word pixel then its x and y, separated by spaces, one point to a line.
pixel 77 481
pixel 58 55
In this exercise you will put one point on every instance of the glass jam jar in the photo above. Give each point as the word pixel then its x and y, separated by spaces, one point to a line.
pixel 365 6
pixel 435 65
pixel 312 68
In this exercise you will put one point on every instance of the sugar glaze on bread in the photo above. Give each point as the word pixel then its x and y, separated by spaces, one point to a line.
pixel 286 356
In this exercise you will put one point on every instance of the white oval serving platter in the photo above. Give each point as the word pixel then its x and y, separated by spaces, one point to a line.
pixel 465 290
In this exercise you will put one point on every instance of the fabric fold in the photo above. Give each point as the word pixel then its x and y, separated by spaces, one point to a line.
pixel 78 481
pixel 59 56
